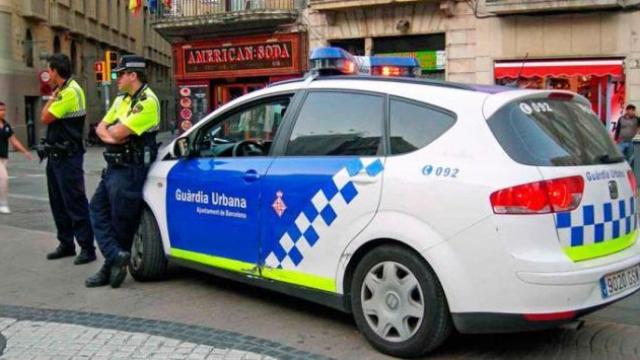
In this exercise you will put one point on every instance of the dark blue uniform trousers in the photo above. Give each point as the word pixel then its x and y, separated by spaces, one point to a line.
pixel 68 200
pixel 116 208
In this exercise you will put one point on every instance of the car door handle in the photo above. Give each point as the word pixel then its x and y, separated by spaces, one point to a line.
pixel 364 179
pixel 251 176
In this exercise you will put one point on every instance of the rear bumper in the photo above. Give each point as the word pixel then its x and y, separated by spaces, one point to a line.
pixel 579 277
pixel 486 322
pixel 486 275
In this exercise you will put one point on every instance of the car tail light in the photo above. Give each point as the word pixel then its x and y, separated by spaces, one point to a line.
pixel 566 315
pixel 541 197
pixel 633 182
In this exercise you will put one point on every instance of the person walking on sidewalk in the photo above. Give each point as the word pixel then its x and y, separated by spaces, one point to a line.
pixel 129 129
pixel 6 137
pixel 64 114
pixel 626 128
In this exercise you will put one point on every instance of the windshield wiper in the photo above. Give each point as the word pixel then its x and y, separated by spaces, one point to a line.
pixel 608 159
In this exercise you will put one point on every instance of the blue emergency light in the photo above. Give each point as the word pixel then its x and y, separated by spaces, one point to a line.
pixel 332 60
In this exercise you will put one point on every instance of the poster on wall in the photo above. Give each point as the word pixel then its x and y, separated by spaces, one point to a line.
pixel 192 105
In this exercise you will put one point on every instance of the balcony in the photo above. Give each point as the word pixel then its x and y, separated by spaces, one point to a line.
pixel 508 7
pixel 197 18
pixel 35 9
pixel 328 5
pixel 60 16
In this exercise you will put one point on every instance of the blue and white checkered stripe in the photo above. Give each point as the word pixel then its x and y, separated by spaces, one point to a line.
pixel 333 198
pixel 592 224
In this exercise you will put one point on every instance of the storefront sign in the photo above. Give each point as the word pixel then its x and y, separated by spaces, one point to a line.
pixel 185 102
pixel 240 57
pixel 186 114
pixel 193 105
pixel 45 87
pixel 429 60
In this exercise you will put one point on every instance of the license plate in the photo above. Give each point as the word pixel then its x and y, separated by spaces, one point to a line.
pixel 620 281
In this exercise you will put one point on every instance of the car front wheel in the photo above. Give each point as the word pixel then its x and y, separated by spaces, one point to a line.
pixel 148 261
pixel 398 303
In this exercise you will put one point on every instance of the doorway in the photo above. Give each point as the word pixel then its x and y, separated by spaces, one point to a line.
pixel 30 119
pixel 226 93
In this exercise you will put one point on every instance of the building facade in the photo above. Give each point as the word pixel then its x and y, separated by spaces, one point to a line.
pixel 587 46
pixel 82 29
pixel 224 49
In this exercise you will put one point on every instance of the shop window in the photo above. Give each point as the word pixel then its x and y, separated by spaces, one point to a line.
pixel 338 123
pixel 353 46
pixel 414 126
pixel 28 49
pixel 428 49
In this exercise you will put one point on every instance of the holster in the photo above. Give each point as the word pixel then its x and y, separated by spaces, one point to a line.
pixel 55 151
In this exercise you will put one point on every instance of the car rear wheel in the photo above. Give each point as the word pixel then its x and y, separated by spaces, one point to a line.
pixel 148 261
pixel 398 303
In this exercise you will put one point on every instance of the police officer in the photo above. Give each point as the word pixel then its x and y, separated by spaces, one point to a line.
pixel 129 131
pixel 64 115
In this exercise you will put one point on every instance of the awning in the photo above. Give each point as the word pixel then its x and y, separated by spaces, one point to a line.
pixel 529 69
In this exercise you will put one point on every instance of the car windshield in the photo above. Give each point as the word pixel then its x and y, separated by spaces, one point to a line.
pixel 553 132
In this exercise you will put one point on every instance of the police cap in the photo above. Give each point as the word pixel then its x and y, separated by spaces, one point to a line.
pixel 131 63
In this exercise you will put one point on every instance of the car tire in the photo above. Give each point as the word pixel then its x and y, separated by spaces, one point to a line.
pixel 398 302
pixel 148 260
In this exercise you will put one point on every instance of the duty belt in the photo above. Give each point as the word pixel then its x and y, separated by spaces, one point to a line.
pixel 54 151
pixel 128 158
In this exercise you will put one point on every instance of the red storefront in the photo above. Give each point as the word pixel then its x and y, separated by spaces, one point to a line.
pixel 599 80
pixel 211 72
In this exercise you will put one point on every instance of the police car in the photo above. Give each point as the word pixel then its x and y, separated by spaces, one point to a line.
pixel 419 206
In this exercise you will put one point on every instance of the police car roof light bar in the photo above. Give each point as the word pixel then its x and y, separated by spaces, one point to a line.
pixel 332 61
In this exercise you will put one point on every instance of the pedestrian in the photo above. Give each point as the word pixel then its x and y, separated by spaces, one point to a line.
pixel 625 130
pixel 6 137
pixel 129 131
pixel 64 114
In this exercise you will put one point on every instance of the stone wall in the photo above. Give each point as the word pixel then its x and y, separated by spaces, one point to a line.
pixel 424 17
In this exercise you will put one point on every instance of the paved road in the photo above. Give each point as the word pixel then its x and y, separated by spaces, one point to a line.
pixel 255 323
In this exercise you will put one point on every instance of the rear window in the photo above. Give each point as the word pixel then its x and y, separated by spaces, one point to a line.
pixel 553 132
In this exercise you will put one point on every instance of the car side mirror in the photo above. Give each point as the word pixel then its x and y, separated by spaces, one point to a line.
pixel 182 148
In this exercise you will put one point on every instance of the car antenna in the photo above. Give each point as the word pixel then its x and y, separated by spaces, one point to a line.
pixel 526 56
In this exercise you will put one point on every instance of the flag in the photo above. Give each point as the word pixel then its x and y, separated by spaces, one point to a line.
pixel 135 6
pixel 153 5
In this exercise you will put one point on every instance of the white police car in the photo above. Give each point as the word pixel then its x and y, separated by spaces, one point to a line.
pixel 421 207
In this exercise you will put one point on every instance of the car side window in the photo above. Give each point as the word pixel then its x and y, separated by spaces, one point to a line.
pixel 414 126
pixel 333 123
pixel 256 124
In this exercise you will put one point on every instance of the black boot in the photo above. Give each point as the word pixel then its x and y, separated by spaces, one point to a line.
pixel 60 252
pixel 85 257
pixel 101 278
pixel 119 269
